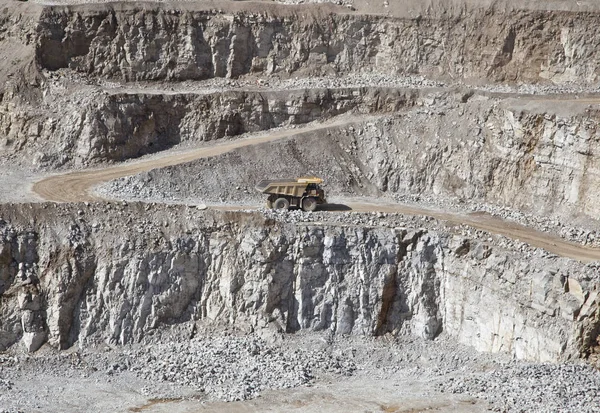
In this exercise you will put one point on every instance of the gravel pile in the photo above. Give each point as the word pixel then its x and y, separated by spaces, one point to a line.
pixel 362 219
pixel 368 79
pixel 232 368
pixel 533 388
pixel 282 82
pixel 540 89
pixel 221 366
pixel 585 236
pixel 252 83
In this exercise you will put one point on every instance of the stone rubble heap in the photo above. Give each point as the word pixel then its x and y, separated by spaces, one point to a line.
pixel 233 368
pixel 532 388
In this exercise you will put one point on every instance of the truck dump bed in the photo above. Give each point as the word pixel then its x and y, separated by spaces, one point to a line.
pixel 289 187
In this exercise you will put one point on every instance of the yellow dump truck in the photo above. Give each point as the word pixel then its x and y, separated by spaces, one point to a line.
pixel 305 193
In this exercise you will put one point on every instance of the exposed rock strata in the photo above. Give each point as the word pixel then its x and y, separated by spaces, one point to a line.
pixel 138 43
pixel 117 127
pixel 88 281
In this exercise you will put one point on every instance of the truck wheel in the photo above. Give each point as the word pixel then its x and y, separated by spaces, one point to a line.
pixel 281 203
pixel 269 203
pixel 309 204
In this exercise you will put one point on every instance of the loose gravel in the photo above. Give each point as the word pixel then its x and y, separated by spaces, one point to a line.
pixel 533 388
pixel 229 366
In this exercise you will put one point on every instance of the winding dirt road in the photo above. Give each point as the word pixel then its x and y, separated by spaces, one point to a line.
pixel 77 187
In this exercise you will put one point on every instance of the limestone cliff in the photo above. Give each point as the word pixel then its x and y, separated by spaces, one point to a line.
pixel 101 127
pixel 70 275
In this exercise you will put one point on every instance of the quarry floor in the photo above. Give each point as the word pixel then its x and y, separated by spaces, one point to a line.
pixel 386 374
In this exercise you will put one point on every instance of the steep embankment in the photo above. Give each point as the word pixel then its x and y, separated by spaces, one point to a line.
pixel 106 127
pixel 19 74
pixel 68 275
pixel 195 43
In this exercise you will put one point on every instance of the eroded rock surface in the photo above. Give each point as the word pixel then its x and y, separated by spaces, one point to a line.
pixel 136 43
pixel 93 282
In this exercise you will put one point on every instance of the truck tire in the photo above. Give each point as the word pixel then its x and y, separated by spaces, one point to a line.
pixel 281 203
pixel 309 204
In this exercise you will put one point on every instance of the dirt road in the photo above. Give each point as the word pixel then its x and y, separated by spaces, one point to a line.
pixel 487 222
pixel 77 186
pixel 350 395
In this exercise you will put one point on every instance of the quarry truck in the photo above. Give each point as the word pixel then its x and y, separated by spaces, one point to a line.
pixel 305 193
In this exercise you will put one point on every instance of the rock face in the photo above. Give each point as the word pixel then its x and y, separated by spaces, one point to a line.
pixel 105 272
pixel 117 127
pixel 58 127
pixel 137 43
pixel 70 277
pixel 544 163
pixel 495 151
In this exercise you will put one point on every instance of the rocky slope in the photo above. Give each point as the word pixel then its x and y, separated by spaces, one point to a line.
pixel 61 122
pixel 68 276
pixel 105 127
pixel 516 153
pixel 61 117
pixel 149 304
